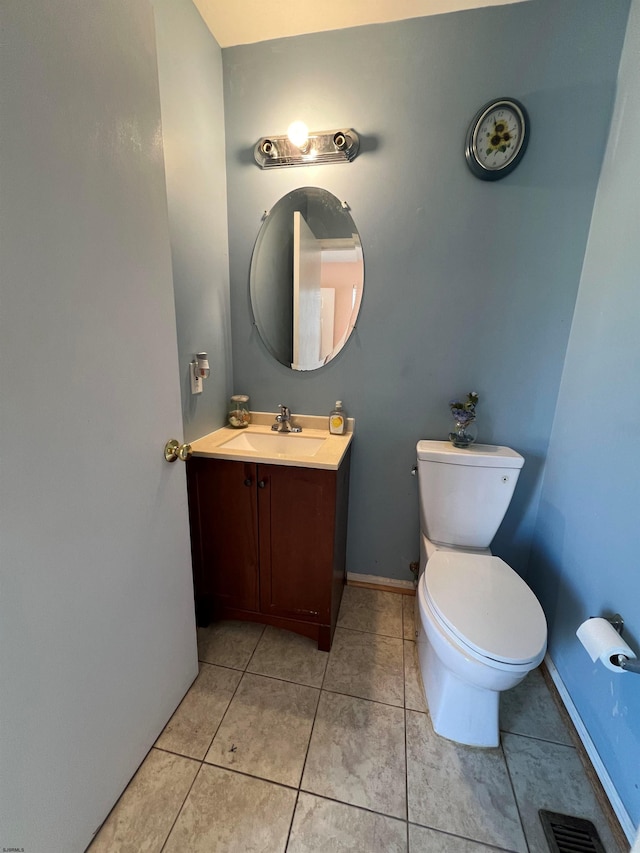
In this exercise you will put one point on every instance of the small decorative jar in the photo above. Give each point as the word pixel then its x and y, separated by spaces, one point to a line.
pixel 239 415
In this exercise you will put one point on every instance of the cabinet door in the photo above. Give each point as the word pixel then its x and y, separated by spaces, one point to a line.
pixel 224 508
pixel 297 527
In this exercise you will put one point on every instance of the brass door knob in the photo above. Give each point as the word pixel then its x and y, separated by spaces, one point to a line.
pixel 174 450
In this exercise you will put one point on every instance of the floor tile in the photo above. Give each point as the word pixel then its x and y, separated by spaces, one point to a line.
pixel 414 697
pixel 228 643
pixel 408 620
pixel 366 665
pixel 423 840
pixel 320 825
pixel 144 814
pixel 283 654
pixel 550 776
pixel 460 789
pixel 357 754
pixel 266 729
pixel 371 610
pixel 227 812
pixel 529 709
pixel 192 727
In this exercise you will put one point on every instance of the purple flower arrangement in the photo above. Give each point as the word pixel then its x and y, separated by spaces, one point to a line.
pixel 464 412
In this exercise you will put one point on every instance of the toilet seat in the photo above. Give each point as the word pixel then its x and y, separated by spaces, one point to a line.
pixel 487 607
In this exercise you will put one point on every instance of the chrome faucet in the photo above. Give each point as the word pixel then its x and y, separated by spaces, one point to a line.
pixel 283 421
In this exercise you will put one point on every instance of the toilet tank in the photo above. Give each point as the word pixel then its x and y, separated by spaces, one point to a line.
pixel 465 492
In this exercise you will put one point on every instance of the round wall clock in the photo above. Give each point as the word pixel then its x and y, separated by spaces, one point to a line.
pixel 497 139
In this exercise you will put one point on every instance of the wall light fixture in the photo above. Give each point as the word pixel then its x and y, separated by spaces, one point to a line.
pixel 301 148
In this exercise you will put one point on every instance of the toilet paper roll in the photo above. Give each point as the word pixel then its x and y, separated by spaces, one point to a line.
pixel 603 642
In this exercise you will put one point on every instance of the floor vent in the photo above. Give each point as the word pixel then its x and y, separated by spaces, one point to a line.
pixel 566 834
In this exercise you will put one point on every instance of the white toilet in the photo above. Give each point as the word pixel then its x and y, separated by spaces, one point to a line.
pixel 480 628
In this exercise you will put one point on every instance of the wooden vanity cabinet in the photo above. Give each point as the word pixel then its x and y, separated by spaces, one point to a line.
pixel 269 543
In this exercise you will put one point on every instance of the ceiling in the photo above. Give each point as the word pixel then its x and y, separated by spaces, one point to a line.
pixel 235 22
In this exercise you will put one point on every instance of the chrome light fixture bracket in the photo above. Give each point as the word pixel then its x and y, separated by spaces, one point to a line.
pixel 327 146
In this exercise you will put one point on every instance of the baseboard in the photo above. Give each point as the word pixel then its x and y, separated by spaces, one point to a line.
pixel 384 584
pixel 600 770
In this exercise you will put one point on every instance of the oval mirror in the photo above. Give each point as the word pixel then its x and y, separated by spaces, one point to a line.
pixel 307 277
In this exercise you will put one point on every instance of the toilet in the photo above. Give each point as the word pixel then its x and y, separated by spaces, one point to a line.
pixel 480 629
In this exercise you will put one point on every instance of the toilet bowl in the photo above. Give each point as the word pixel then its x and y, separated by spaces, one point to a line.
pixel 480 629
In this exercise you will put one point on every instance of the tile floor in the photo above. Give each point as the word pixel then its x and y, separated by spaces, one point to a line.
pixel 279 747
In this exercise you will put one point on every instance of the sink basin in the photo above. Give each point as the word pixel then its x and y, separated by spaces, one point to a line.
pixel 275 443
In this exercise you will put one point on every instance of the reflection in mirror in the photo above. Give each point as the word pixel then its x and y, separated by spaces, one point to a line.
pixel 307 277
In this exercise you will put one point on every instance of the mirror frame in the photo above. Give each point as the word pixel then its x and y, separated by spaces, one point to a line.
pixel 271 274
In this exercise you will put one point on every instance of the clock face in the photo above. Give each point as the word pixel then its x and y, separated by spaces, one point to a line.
pixel 497 139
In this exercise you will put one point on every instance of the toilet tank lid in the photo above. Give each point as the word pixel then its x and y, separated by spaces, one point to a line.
pixel 480 455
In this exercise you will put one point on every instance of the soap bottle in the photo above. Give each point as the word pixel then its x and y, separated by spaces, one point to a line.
pixel 337 419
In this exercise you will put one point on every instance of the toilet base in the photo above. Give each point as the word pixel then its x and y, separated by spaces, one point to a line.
pixel 462 688
pixel 459 711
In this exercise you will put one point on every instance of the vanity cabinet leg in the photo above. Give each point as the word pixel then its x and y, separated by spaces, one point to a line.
pixel 324 638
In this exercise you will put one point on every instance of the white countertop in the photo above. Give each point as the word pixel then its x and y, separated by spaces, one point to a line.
pixel 329 456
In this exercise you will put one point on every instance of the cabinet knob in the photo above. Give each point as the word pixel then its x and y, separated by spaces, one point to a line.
pixel 248 481
pixel 261 484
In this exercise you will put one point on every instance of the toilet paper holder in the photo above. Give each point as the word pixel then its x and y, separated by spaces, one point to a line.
pixel 628 664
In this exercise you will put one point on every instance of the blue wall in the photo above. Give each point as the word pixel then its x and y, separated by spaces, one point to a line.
pixel 586 552
pixel 468 285
pixel 190 75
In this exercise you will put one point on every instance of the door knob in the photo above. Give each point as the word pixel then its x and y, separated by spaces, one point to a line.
pixel 174 450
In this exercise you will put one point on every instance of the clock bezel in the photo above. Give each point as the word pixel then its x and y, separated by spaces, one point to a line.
pixel 471 145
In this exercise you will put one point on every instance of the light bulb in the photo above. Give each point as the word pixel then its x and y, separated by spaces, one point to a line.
pixel 202 366
pixel 298 133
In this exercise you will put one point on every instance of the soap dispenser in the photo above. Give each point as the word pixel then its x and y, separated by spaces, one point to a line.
pixel 337 419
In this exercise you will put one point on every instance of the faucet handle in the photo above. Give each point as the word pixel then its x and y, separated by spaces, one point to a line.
pixel 284 410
